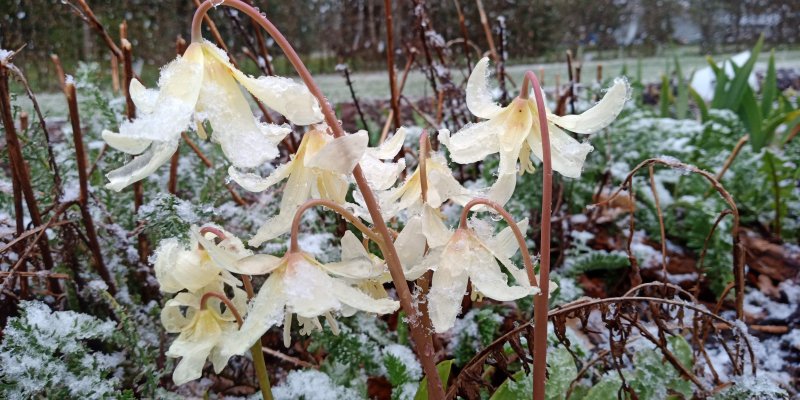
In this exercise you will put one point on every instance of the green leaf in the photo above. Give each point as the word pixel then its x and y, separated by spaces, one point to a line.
pixel 443 369
pixel 750 114
pixel 607 388
pixel 769 87
pixel 396 371
pixel 664 95
pixel 701 104
pixel 517 387
pixel 682 101
pixel 562 372
pixel 681 348
pixel 736 93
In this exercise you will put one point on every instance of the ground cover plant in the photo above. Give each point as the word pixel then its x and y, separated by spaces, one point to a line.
pixel 221 231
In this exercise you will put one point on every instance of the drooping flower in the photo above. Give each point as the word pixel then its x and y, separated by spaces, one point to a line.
pixel 201 330
pixel 472 256
pixel 199 86
pixel 319 169
pixel 514 131
pixel 300 285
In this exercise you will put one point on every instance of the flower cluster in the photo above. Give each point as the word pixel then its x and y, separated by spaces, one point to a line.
pixel 213 315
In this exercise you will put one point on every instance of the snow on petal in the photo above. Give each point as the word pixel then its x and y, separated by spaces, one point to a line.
pixel 381 175
pixel 124 143
pixel 255 183
pixel 141 166
pixel 599 116
pixel 448 286
pixel 357 299
pixel 473 142
pixel 144 99
pixel 222 103
pixel 479 96
pixel 340 155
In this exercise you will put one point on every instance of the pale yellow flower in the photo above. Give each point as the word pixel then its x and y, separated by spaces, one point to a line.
pixel 471 256
pixel 299 284
pixel 201 332
pixel 202 85
pixel 514 131
pixel 319 169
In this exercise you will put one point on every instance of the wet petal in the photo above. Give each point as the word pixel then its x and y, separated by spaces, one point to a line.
pixel 599 116
pixel 255 183
pixel 127 144
pixel 381 175
pixel 448 286
pixel 257 264
pixel 434 228
pixel 309 291
pixel 486 276
pixel 266 311
pixel 389 148
pixel 142 166
pixel 567 154
pixel 222 103
pixel 355 261
pixel 273 227
pixel 410 245
pixel 341 154
pixel 501 191
pixel 504 244
pixel 473 142
pixel 359 300
pixel 479 95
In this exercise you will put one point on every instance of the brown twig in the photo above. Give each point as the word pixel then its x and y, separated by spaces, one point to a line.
pixel 463 27
pixel 660 224
pixel 87 15
pixel 387 5
pixel 83 197
pixel 487 30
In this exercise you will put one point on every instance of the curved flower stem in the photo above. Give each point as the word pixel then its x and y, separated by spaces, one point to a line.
pixel 523 248
pixel 225 300
pixel 540 303
pixel 298 215
pixel 419 333
pixel 259 363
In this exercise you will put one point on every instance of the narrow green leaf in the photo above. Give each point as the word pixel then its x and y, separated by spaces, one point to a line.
pixel 736 93
pixel 701 104
pixel 443 368
pixel 769 87
pixel 750 114
pixel 682 101
pixel 720 85
pixel 663 98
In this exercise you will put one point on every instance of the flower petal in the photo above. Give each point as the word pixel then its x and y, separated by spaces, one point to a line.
pixel 179 87
pixel 501 191
pixel 410 245
pixel 389 148
pixel 285 96
pixel 255 183
pixel 265 312
pixel 448 286
pixel 473 142
pixel 235 128
pixel 355 261
pixel 479 96
pixel 127 144
pixel 381 175
pixel 599 116
pixel 486 276
pixel 309 291
pixel 359 300
pixel 142 166
pixel 257 264
pixel 434 228
pixel 567 154
pixel 144 99
pixel 340 155
pixel 504 244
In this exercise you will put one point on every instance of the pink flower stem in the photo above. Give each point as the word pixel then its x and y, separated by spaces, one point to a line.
pixel 420 334
pixel 541 302
pixel 298 216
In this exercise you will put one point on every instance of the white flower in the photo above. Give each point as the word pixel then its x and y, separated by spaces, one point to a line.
pixel 382 175
pixel 514 131
pixel 299 284
pixel 472 256
pixel 202 263
pixel 200 86
pixel 201 331
pixel 319 169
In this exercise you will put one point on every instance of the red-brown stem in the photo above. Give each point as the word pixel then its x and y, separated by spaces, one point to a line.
pixel 540 303
pixel 518 234
pixel 225 300
pixel 487 30
pixel 19 170
pixel 395 101
pixel 83 182
pixel 465 36
pixel 420 334
pixel 298 216
pixel 424 149
pixel 59 70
